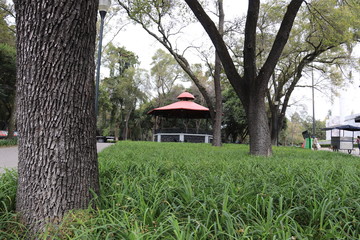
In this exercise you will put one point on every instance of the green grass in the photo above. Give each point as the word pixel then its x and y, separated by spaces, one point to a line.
pixel 195 191
pixel 8 142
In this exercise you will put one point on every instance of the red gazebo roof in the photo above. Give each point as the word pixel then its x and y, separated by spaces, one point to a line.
pixel 186 96
pixel 182 109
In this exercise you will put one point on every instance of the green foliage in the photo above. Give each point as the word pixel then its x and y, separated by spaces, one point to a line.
pixel 321 40
pixel 194 191
pixel 292 135
pixel 165 71
pixel 7 83
pixel 308 125
pixel 7 70
pixel 8 182
pixel 235 126
pixel 10 227
pixel 8 142
pixel 122 92
pixel 118 59
pixel 7 33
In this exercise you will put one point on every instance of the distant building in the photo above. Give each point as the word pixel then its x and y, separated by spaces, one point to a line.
pixel 357 119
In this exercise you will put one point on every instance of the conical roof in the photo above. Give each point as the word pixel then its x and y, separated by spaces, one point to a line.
pixel 186 96
pixel 182 109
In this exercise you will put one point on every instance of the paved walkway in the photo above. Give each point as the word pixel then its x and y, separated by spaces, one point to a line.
pixel 354 152
pixel 9 155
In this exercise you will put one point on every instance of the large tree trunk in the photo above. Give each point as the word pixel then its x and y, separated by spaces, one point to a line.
pixel 260 141
pixel 57 167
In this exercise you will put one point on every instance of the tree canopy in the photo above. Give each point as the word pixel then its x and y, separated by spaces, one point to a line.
pixel 122 91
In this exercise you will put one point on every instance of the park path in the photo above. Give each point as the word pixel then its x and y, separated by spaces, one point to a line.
pixel 9 155
pixel 354 152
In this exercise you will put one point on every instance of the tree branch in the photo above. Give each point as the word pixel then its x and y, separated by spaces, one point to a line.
pixel 279 43
pixel 235 79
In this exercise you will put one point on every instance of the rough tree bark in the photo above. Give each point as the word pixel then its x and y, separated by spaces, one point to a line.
pixel 251 88
pixel 57 167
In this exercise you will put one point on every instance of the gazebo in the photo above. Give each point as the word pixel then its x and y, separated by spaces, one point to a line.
pixel 185 108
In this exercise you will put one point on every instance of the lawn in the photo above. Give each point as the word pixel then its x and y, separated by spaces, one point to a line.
pixel 195 191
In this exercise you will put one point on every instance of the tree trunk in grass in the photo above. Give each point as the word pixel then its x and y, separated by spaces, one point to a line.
pixel 259 131
pixel 251 88
pixel 57 167
pixel 217 83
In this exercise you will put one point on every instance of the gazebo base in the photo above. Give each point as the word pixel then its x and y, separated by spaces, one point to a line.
pixel 182 137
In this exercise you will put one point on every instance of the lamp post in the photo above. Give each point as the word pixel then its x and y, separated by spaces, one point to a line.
pixel 103 8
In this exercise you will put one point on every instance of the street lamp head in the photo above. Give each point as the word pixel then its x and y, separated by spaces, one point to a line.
pixel 104 5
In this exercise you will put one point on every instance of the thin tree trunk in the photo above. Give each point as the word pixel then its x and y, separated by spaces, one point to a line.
pixel 58 169
pixel 12 121
pixel 126 127
pixel 218 95
pixel 274 125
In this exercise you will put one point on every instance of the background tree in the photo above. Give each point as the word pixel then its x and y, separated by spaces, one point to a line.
pixel 142 126
pixel 235 125
pixel 298 123
pixel 57 166
pixel 122 92
pixel 321 46
pixel 164 71
pixel 293 133
pixel 7 31
pixel 251 87
pixel 307 125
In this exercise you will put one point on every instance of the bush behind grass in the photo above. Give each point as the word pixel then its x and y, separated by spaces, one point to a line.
pixel 8 142
pixel 195 191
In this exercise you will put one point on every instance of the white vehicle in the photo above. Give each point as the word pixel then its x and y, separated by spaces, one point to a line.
pixel 3 134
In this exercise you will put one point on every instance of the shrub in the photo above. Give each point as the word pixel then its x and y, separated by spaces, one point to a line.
pixel 8 142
